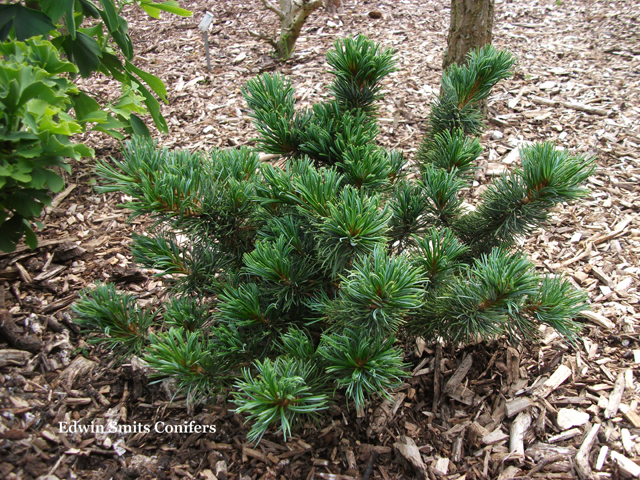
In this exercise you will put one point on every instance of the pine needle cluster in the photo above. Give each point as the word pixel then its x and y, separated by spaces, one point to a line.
pixel 291 283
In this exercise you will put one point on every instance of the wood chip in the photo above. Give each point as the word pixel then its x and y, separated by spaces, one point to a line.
pixel 633 418
pixel 519 428
pixel 513 407
pixel 565 435
pixel 627 443
pixel 461 372
pixel 568 417
pixel 582 457
pixel 508 473
pixel 602 457
pixel 407 449
pixel 41 244
pixel 250 452
pixel 598 319
pixel 615 397
pixel 78 369
pixel 11 357
pixel 561 374
pixel 442 465
pixel 572 105
pixel 628 466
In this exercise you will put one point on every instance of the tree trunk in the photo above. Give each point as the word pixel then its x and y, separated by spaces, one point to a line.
pixel 333 6
pixel 293 19
pixel 471 27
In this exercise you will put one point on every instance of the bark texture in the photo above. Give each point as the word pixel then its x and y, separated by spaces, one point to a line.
pixel 333 6
pixel 471 27
pixel 292 15
pixel 293 19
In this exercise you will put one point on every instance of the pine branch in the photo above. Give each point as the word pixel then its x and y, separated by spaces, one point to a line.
pixel 271 101
pixel 288 274
pixel 518 203
pixel 378 293
pixel 409 208
pixel 452 151
pixel 355 227
pixel 278 395
pixel 481 302
pixel 116 315
pixel 365 366
pixel 189 358
pixel 439 252
pixel 359 66
pixel 441 188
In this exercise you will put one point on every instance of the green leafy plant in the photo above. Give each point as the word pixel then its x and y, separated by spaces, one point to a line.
pixel 42 109
pixel 35 132
pixel 299 278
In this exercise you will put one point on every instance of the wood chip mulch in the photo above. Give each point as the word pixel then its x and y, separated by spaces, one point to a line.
pixel 485 411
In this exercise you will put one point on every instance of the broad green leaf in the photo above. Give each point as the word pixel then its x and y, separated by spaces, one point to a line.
pixel 54 181
pixel 153 9
pixel 153 105
pixel 95 31
pixel 86 53
pixel 29 23
pixel 109 15
pixel 154 82
pixel 29 236
pixel 138 126
pixel 89 9
pixel 111 126
pixel 59 128
pixel 55 8
pixel 10 233
pixel 70 18
pixel 29 149
pixel 46 56
pixel 84 104
pixel 40 91
pixel 114 66
pixel 7 12
pixel 113 133
pixel 98 116
pixel 124 42
pixel 21 177
pixel 83 151
pixel 24 204
pixel 38 178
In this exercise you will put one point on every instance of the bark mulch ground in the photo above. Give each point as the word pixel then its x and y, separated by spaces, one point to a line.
pixel 484 411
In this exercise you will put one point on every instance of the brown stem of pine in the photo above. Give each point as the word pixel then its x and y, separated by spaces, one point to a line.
pixel 471 27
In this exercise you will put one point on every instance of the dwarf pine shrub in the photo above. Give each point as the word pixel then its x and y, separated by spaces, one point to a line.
pixel 290 283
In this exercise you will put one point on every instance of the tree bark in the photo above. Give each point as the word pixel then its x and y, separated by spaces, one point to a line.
pixel 293 19
pixel 333 6
pixel 471 27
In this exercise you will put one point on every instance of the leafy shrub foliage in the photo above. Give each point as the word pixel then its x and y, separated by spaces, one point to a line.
pixel 297 278
pixel 34 134
pixel 37 96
